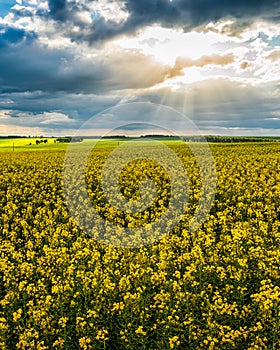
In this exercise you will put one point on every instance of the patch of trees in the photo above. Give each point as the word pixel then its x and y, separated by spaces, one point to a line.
pixel 41 141
pixel 69 139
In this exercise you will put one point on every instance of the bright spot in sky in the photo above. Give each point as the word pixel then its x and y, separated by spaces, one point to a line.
pixel 166 45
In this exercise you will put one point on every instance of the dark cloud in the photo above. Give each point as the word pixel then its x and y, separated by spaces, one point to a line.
pixel 186 13
pixel 36 67
pixel 30 106
pixel 204 10
pixel 195 12
pixel 58 9
pixel 101 30
pixel 32 67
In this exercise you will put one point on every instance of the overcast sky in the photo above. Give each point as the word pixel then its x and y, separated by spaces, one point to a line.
pixel 62 62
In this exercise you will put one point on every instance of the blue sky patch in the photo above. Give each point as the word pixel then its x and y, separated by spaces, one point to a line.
pixel 5 6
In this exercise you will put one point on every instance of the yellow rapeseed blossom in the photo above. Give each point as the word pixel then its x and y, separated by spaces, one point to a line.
pixel 140 330
pixel 17 315
pixel 216 288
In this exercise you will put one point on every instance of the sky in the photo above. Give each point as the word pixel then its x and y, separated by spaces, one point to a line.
pixel 215 62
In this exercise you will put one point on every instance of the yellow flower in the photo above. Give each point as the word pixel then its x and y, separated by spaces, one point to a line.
pixel 174 341
pixel 140 330
pixel 102 334
pixel 17 315
pixel 62 321
pixel 84 342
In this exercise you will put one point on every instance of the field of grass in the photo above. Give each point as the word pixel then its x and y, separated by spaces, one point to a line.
pixel 217 288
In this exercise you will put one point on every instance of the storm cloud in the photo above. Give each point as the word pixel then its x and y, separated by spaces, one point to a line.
pixel 178 13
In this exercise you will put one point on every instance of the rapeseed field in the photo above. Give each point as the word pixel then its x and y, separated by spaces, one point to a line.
pixel 216 288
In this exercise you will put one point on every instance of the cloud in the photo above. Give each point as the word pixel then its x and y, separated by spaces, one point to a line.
pixel 11 117
pixel 36 67
pixel 138 14
pixel 62 61
pixel 217 60
pixel 54 118
pixel 28 123
pixel 32 66
pixel 274 56
pixel 190 14
pixel 101 20
pixel 221 102
pixel 76 106
pixel 217 105
pixel 137 70
pixel 245 65
pixel 58 9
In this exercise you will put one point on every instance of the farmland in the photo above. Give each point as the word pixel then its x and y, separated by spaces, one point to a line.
pixel 29 144
pixel 216 288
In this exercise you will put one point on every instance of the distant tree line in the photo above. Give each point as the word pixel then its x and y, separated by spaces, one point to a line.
pixel 229 139
pixel 13 137
pixel 155 136
pixel 69 139
pixel 114 137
